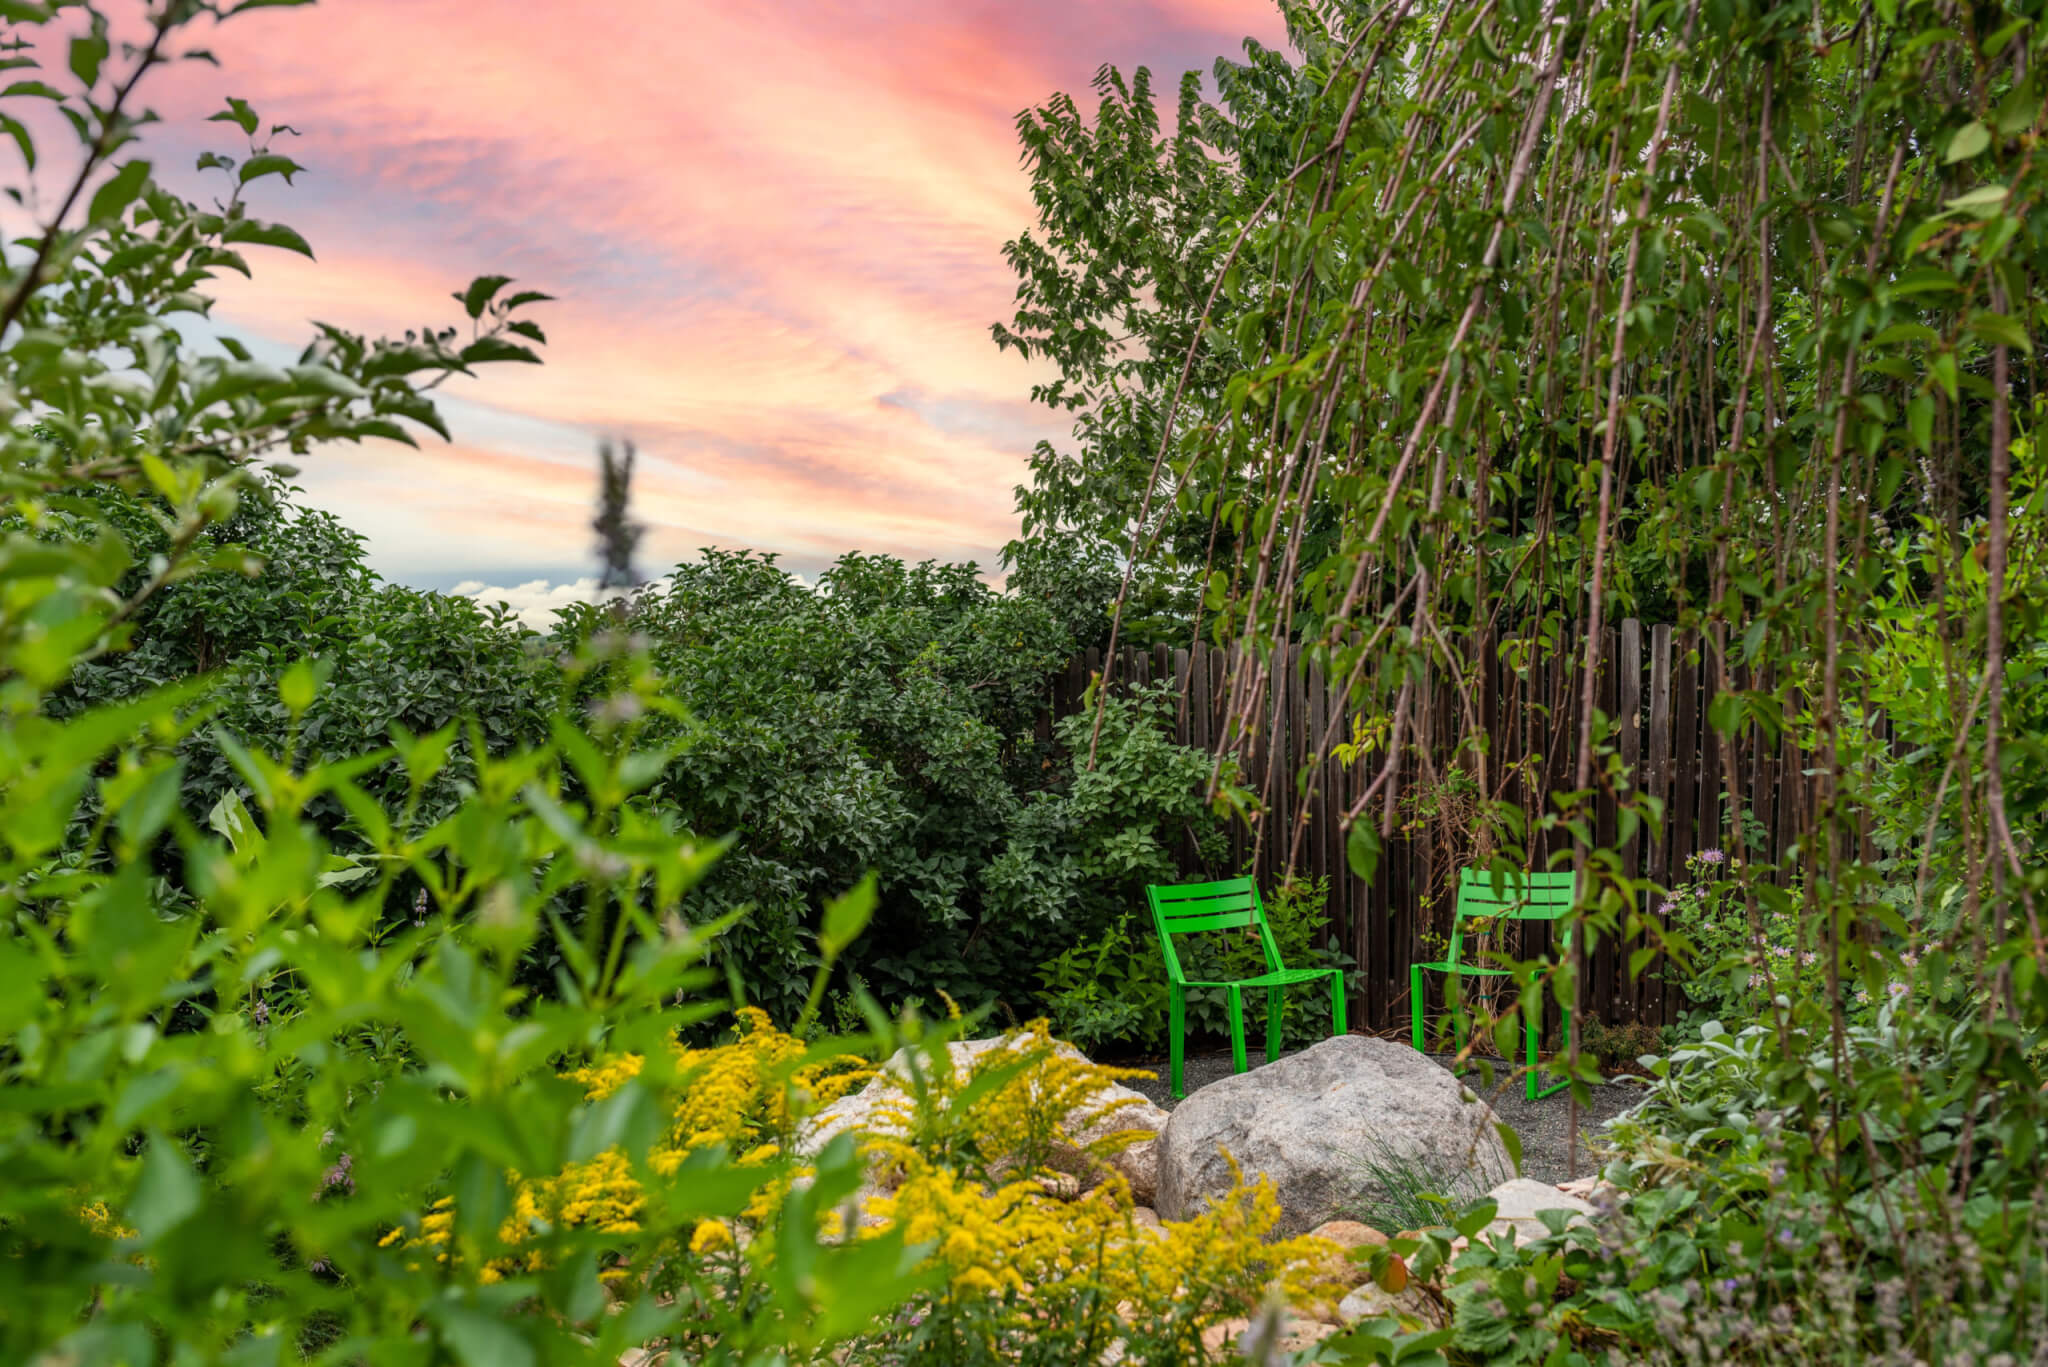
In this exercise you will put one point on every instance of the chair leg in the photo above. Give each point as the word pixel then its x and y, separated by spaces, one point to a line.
pixel 1337 1024
pixel 1237 1063
pixel 1532 1031
pixel 1276 1010
pixel 1177 1011
pixel 1532 1026
pixel 1415 1007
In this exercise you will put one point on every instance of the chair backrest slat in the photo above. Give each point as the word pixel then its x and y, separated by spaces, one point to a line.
pixel 1517 896
pixel 1189 908
pixel 1222 920
pixel 1511 896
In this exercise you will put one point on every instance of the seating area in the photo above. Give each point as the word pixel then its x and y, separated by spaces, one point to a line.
pixel 1486 901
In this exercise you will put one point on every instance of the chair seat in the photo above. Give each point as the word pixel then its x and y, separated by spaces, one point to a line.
pixel 1278 978
pixel 1469 970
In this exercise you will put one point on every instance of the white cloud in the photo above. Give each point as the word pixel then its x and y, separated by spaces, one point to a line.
pixel 536 600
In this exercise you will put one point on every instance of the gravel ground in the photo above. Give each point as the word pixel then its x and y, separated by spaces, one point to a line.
pixel 1544 1126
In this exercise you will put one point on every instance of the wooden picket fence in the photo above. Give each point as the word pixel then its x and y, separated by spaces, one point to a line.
pixel 1657 683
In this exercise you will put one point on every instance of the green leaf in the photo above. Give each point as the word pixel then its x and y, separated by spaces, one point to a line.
pixel 145 813
pixel 269 164
pixel 478 296
pixel 1969 140
pixel 1942 365
pixel 16 129
pixel 41 90
pixel 1362 849
pixel 846 916
pixel 167 1194
pixel 238 113
pixel 487 349
pixel 87 53
pixel 1920 421
pixel 119 192
pixel 1981 201
pixel 525 297
pixel 1922 279
pixel 301 684
pixel 1511 1140
pixel 320 379
pixel 266 235
pixel 480 1340
pixel 1476 1217
pixel 2000 330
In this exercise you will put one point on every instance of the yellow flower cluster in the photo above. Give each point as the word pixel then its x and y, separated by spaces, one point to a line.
pixel 1015 1236
pixel 737 1093
pixel 989 1240
pixel 967 1158
pixel 1017 1125
pixel 103 1222
pixel 1226 1257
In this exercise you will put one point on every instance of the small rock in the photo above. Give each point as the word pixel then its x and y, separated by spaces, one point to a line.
pixel 1300 1335
pixel 1595 1189
pixel 1223 1338
pixel 1410 1308
pixel 1223 1334
pixel 1061 1186
pixel 1147 1221
pixel 1518 1203
pixel 1348 1235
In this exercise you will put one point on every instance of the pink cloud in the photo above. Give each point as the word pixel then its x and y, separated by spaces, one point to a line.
pixel 763 223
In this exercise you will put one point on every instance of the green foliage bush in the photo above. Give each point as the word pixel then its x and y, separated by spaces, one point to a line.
pixel 887 719
pixel 392 656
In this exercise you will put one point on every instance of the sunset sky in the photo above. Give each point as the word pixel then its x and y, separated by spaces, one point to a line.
pixel 774 231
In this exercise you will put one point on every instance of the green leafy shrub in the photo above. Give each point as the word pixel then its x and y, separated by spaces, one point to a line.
pixel 1101 993
pixel 887 719
pixel 390 656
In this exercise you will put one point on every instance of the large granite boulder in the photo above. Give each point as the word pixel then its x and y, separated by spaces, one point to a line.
pixel 1327 1126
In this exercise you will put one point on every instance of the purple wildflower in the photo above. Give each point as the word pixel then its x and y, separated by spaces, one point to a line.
pixel 1712 856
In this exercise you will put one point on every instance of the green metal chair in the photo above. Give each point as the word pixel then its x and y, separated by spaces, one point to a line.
pixel 1186 908
pixel 1509 897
